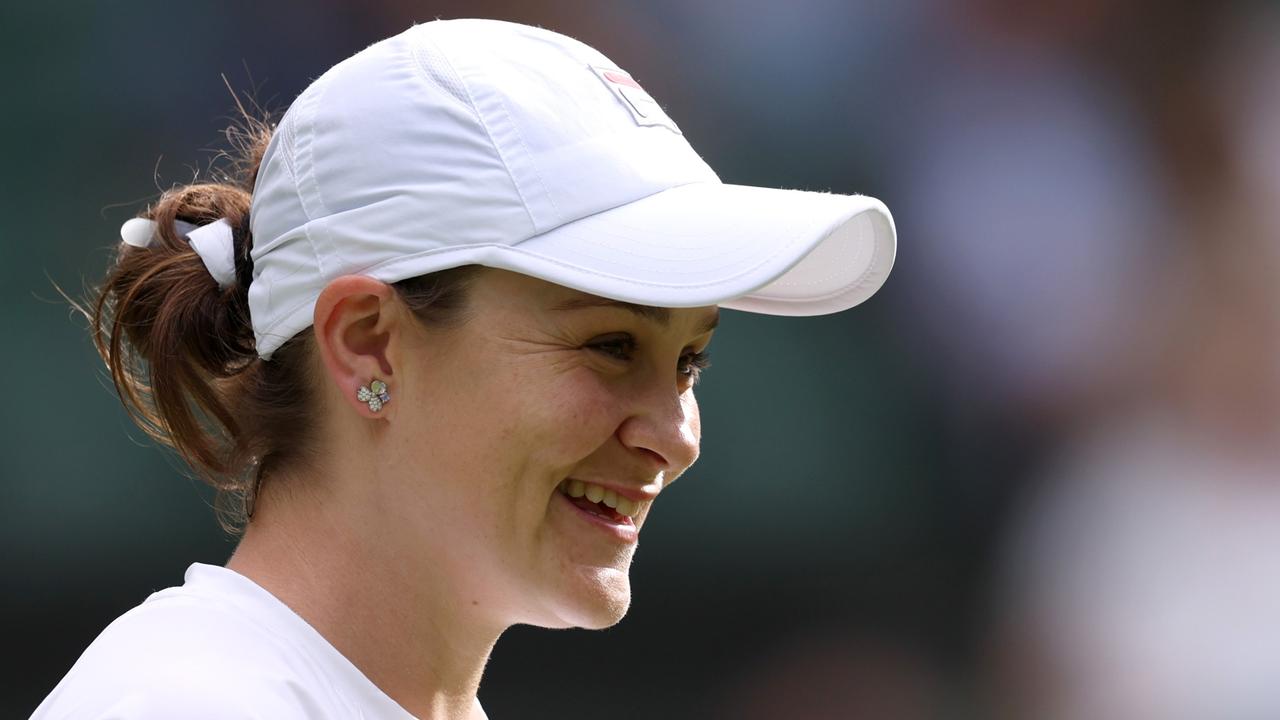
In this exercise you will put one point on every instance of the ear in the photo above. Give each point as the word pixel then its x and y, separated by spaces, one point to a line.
pixel 358 325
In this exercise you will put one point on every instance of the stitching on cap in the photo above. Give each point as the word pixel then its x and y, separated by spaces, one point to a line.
pixel 308 175
pixel 538 175
pixel 488 133
pixel 312 195
pixel 288 140
pixel 425 67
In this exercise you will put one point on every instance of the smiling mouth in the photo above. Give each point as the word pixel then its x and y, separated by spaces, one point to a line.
pixel 600 501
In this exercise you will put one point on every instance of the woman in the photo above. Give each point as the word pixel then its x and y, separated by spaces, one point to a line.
pixel 438 353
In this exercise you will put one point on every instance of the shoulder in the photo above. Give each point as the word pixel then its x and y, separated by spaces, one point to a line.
pixel 184 655
pixel 193 698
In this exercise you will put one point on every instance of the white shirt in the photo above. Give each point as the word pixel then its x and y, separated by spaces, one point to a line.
pixel 219 646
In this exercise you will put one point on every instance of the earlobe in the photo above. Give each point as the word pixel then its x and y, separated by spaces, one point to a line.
pixel 355 325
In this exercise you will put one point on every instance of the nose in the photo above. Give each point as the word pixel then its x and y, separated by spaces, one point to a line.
pixel 665 427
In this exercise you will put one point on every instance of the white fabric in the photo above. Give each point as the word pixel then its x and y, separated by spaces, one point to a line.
pixel 214 243
pixel 216 247
pixel 137 232
pixel 484 142
pixel 219 646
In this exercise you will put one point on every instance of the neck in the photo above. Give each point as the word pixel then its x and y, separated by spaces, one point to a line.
pixel 399 626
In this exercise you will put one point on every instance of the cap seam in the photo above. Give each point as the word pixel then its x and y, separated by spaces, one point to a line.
pixel 312 195
pixel 546 192
pixel 466 86
pixel 422 65
pixel 290 141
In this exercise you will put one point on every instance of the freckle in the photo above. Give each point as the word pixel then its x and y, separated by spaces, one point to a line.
pixel 475 602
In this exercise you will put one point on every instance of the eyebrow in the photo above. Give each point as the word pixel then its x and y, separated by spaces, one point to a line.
pixel 659 315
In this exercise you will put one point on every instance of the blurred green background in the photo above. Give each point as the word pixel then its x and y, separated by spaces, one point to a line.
pixel 839 548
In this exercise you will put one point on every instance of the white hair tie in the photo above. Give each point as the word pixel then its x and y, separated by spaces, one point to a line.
pixel 213 243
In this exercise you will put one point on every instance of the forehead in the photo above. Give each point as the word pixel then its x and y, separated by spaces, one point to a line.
pixel 558 300
pixel 708 319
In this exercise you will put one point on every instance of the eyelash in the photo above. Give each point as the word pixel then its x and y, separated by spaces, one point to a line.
pixel 623 347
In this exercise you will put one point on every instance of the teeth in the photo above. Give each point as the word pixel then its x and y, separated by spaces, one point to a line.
pixel 597 494
pixel 627 506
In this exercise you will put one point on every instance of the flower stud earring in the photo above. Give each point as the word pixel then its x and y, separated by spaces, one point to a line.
pixel 375 393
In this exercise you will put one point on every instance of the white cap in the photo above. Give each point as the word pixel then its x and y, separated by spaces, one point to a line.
pixel 484 142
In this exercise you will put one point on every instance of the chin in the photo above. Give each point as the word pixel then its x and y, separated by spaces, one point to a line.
pixel 597 599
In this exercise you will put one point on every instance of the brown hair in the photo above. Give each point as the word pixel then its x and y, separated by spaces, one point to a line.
pixel 181 353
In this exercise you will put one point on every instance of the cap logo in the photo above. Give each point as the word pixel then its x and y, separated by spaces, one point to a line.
pixel 621 78
pixel 643 108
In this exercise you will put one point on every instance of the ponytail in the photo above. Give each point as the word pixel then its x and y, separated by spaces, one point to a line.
pixel 180 348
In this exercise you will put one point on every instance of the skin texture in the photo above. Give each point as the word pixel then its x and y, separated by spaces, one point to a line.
pixel 435 524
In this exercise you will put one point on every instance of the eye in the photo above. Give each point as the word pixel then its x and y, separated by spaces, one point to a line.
pixel 623 348
pixel 619 347
pixel 693 363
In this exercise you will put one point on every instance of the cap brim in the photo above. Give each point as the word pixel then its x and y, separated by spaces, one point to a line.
pixel 781 252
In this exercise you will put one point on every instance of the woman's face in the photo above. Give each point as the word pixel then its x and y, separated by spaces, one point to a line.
pixel 542 394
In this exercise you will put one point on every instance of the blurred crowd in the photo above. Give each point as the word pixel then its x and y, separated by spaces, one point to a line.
pixel 1088 196
pixel 1096 261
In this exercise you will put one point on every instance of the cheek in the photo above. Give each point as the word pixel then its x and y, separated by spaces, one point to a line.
pixel 693 421
pixel 576 415
pixel 691 411
pixel 532 419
